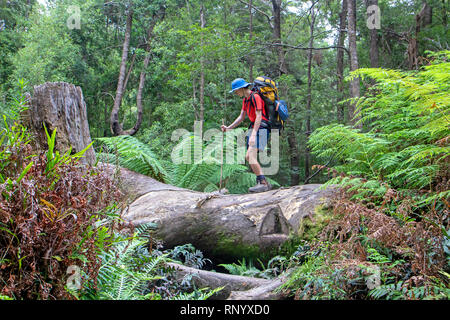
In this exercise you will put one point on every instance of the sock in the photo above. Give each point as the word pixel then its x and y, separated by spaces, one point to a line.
pixel 260 178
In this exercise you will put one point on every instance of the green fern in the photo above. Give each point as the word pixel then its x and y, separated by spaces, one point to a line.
pixel 186 171
pixel 132 154
pixel 125 273
pixel 405 115
pixel 201 294
pixel 203 174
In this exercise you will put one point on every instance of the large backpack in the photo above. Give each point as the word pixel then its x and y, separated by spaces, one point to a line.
pixel 275 109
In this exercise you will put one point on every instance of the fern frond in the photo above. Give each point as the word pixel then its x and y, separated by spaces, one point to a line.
pixel 134 155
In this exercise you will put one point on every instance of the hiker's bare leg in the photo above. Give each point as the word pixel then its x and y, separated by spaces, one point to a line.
pixel 252 159
pixel 261 183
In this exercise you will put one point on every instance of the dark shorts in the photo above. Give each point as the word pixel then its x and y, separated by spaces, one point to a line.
pixel 262 137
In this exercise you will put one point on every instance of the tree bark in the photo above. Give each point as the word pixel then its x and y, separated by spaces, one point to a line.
pixel 309 90
pixel 202 69
pixel 294 157
pixel 340 62
pixel 250 59
pixel 225 64
pixel 276 10
pixel 354 84
pixel 444 13
pixel 60 106
pixel 116 127
pixel 423 18
pixel 374 54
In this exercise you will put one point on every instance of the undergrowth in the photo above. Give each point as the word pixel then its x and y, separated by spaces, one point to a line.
pixel 48 204
pixel 61 235
pixel 389 235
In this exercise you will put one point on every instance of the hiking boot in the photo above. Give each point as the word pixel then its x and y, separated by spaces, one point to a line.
pixel 260 187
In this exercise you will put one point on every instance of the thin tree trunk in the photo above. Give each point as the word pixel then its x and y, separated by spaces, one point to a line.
pixel 294 158
pixel 444 13
pixel 250 59
pixel 309 90
pixel 354 84
pixel 423 18
pixel 202 70
pixel 194 98
pixel 130 69
pixel 374 54
pixel 340 62
pixel 225 82
pixel 276 10
pixel 143 74
pixel 114 120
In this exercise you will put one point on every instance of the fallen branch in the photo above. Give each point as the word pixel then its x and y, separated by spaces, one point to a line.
pixel 234 287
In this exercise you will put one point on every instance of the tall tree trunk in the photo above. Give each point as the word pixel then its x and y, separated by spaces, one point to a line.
pixel 250 60
pixel 202 70
pixel 225 82
pixel 423 18
pixel 276 11
pixel 295 157
pixel 340 62
pixel 444 13
pixel 374 54
pixel 354 84
pixel 309 90
pixel 116 128
pixel 194 98
pixel 143 74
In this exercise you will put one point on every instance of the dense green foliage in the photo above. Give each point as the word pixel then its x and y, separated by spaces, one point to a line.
pixel 394 213
pixel 404 145
pixel 38 45
pixel 390 221
pixel 186 170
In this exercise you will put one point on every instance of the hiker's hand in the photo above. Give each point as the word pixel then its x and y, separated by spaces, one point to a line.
pixel 224 128
pixel 252 141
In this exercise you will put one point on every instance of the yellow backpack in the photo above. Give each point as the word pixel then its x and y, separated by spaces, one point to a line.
pixel 268 91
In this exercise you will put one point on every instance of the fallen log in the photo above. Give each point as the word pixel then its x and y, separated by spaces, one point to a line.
pixel 221 226
pixel 233 287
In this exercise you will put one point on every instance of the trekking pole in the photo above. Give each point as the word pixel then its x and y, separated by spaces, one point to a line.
pixel 221 157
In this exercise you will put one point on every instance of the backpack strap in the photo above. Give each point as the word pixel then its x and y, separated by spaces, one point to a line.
pixel 266 104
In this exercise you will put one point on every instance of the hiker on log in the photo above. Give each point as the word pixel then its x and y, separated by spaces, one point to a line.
pixel 259 129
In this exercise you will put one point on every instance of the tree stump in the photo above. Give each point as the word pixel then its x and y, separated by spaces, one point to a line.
pixel 60 106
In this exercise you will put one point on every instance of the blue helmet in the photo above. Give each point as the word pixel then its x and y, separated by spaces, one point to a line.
pixel 238 84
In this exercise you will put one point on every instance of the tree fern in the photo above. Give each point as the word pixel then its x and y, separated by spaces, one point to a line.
pixel 132 154
pixel 187 169
pixel 406 116
pixel 203 174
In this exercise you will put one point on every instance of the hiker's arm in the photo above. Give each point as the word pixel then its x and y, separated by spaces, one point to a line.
pixel 236 122
pixel 257 122
pixel 258 119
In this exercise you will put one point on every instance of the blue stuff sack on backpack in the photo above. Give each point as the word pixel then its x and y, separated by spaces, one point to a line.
pixel 282 109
